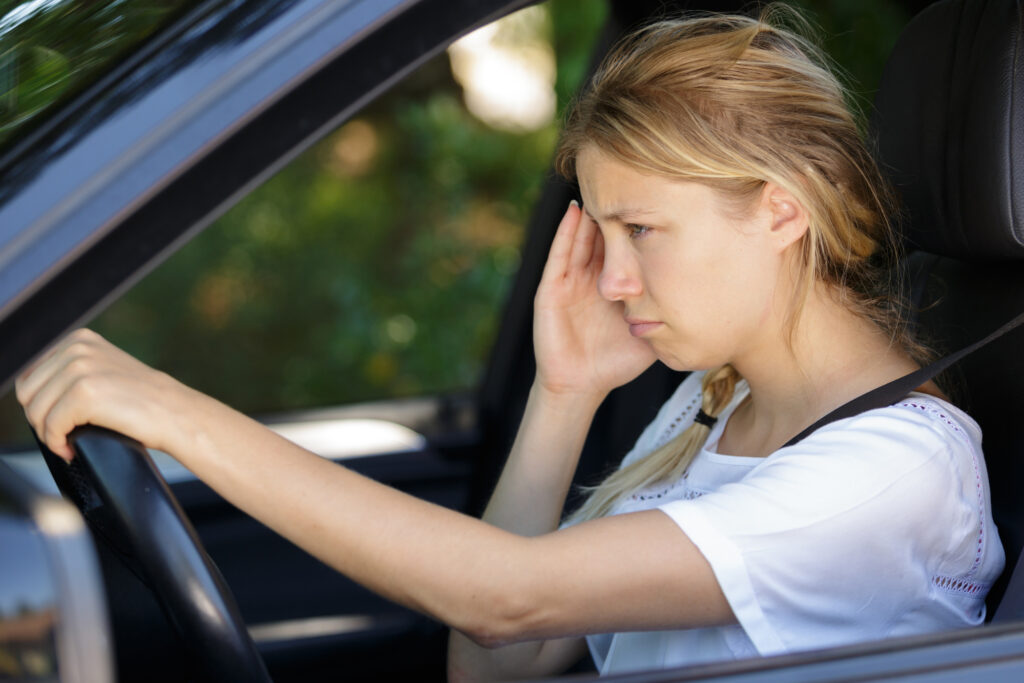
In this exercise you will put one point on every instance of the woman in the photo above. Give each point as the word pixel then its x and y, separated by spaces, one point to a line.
pixel 732 226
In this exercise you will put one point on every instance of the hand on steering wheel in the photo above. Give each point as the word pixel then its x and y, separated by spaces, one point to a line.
pixel 113 481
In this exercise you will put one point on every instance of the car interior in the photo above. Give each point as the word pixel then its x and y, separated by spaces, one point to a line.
pixel 947 123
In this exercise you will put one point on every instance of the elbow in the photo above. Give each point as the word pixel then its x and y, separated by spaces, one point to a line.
pixel 491 632
pixel 502 620
pixel 486 637
pixel 491 639
pixel 504 600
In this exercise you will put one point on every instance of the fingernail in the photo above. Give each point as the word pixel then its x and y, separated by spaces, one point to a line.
pixel 574 203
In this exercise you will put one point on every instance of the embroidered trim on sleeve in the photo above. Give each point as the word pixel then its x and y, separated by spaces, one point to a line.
pixel 964 584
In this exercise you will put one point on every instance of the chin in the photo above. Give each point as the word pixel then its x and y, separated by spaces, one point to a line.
pixel 688 363
pixel 673 364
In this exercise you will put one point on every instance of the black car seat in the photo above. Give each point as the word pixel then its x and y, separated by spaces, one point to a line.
pixel 949 125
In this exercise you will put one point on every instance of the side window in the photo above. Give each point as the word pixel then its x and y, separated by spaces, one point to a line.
pixel 376 265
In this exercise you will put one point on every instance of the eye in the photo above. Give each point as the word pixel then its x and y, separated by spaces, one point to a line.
pixel 636 231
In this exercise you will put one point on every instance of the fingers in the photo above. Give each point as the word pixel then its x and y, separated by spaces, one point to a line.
pixel 562 245
pixel 583 242
pixel 597 253
pixel 78 343
pixel 48 411
pixel 577 245
pixel 60 419
pixel 87 380
pixel 54 383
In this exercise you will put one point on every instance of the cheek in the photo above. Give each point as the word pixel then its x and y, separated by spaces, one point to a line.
pixel 754 284
pixel 734 291
pixel 684 284
pixel 723 286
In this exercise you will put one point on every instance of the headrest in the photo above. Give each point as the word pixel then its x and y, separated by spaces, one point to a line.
pixel 949 124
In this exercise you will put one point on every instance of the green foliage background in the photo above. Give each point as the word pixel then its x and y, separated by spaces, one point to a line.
pixel 377 263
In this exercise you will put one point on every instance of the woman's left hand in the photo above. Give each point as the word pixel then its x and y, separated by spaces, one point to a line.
pixel 581 341
pixel 85 379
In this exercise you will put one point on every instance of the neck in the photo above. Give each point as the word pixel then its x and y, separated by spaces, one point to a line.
pixel 833 357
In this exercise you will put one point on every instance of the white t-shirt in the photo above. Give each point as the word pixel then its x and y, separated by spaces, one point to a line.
pixel 874 526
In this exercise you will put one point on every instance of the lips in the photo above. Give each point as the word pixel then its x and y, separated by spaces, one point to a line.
pixel 639 328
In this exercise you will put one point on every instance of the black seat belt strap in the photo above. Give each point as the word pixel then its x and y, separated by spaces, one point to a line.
pixel 898 389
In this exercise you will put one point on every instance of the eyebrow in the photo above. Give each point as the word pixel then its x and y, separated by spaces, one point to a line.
pixel 620 215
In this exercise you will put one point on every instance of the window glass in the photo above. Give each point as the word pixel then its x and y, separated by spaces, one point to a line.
pixel 52 48
pixel 376 265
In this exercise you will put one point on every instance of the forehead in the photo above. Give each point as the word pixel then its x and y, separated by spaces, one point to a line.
pixel 613 190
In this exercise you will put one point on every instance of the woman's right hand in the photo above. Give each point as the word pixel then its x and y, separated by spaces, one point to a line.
pixel 581 340
pixel 84 379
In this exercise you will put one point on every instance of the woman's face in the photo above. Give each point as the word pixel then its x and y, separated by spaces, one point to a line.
pixel 699 282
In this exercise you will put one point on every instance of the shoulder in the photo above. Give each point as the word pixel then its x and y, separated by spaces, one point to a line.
pixel 885 514
pixel 912 457
pixel 919 417
pixel 895 439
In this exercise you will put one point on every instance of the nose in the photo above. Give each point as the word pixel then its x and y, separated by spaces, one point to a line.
pixel 619 279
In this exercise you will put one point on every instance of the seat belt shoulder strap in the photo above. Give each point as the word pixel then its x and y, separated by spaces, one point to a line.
pixel 894 391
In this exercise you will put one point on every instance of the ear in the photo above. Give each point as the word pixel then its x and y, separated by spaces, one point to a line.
pixel 789 221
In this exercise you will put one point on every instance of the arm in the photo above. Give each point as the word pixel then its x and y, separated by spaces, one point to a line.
pixel 583 350
pixel 497 585
pixel 569 319
pixel 630 572
pixel 528 501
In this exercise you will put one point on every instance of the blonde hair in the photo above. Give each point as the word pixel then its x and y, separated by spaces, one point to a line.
pixel 735 102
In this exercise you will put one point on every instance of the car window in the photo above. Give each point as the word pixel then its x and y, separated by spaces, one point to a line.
pixel 377 263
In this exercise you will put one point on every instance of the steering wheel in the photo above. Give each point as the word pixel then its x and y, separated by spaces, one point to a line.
pixel 115 484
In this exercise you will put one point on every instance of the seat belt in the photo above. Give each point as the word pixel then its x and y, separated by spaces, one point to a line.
pixel 1011 606
pixel 896 390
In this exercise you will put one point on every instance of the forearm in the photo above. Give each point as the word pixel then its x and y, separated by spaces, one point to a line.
pixel 531 491
pixel 450 566
pixel 424 556
pixel 468 662
pixel 528 500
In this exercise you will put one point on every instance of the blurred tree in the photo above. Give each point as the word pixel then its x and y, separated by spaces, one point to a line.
pixel 375 265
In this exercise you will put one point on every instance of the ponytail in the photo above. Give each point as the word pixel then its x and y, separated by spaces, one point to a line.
pixel 667 463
